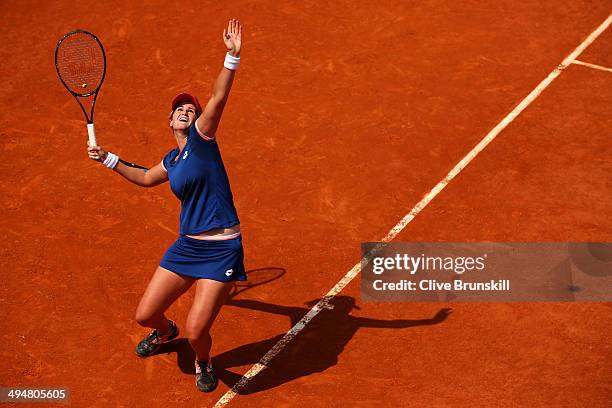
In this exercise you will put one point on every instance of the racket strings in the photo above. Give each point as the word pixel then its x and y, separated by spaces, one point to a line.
pixel 81 63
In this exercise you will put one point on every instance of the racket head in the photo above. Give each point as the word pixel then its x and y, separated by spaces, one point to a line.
pixel 80 62
pixel 257 277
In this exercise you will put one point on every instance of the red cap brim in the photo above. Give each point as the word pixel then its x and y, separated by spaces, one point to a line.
pixel 186 98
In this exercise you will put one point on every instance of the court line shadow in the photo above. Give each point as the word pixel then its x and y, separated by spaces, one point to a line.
pixel 314 350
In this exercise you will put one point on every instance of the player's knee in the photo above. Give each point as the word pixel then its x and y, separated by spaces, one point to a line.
pixel 198 340
pixel 196 333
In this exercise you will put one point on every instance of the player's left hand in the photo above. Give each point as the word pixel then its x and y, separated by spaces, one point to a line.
pixel 232 37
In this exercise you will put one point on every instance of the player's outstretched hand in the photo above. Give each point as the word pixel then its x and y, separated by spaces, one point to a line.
pixel 232 37
pixel 96 153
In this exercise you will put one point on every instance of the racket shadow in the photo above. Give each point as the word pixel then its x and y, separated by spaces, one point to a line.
pixel 314 350
pixel 257 277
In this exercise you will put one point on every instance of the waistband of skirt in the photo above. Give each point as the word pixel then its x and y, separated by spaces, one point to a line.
pixel 205 242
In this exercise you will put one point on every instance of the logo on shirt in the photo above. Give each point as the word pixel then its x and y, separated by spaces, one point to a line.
pixel 229 272
pixel 185 154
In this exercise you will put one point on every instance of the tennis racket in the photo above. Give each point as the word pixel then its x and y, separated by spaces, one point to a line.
pixel 256 277
pixel 80 62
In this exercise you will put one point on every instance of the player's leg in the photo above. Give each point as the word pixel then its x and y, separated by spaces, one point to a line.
pixel 210 296
pixel 164 288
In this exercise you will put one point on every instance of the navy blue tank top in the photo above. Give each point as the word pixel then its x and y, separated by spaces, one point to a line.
pixel 198 178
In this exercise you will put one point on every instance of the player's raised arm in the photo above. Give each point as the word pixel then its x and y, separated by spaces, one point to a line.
pixel 208 122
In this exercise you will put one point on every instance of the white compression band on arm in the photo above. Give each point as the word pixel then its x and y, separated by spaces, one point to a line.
pixel 111 160
pixel 231 62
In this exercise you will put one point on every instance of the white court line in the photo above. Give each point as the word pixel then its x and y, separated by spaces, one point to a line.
pixel 595 66
pixel 324 303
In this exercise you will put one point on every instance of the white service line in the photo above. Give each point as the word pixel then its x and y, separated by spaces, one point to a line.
pixel 595 66
pixel 350 275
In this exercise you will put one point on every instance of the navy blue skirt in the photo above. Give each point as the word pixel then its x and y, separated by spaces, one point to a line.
pixel 218 260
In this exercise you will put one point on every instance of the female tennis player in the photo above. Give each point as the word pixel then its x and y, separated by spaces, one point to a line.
pixel 209 250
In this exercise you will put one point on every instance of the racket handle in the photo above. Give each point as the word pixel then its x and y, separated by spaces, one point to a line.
pixel 92 134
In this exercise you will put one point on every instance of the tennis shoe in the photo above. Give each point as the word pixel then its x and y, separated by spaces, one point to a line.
pixel 150 344
pixel 206 380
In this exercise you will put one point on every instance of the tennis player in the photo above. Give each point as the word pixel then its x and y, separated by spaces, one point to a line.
pixel 209 249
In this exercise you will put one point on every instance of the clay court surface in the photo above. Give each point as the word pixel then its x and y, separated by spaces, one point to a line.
pixel 343 116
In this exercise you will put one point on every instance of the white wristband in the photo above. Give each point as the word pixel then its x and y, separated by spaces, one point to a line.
pixel 231 62
pixel 111 160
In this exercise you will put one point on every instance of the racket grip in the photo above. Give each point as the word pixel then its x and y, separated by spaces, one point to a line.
pixel 92 134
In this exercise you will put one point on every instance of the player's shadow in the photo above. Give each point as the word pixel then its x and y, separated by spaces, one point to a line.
pixel 315 349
